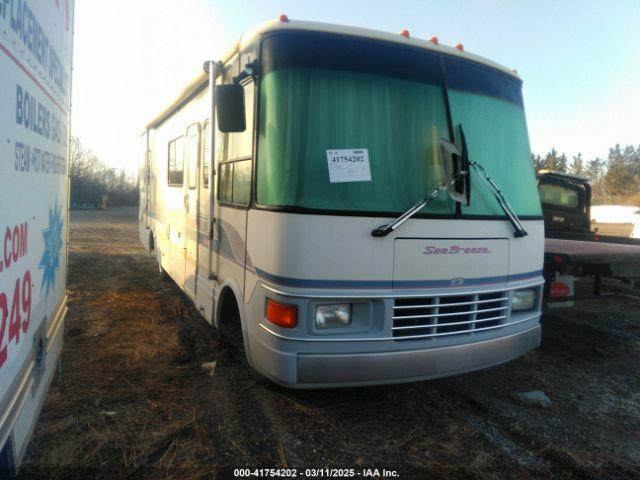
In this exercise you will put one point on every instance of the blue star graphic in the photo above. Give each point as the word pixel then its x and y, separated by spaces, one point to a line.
pixel 50 260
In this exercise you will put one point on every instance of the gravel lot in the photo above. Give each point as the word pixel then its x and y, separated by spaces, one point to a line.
pixel 134 402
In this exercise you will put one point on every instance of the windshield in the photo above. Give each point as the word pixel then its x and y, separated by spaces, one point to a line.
pixel 354 125
pixel 559 195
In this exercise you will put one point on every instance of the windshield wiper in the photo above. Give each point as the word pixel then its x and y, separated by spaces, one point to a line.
pixel 518 229
pixel 384 230
pixel 512 216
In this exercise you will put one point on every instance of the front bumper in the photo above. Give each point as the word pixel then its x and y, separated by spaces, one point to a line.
pixel 319 370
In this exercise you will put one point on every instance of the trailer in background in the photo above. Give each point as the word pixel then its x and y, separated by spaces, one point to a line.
pixel 35 74
pixel 572 249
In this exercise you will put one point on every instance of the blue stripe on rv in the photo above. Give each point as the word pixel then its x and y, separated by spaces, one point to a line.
pixel 389 284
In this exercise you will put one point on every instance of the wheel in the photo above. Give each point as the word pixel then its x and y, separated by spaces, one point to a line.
pixel 230 329
pixel 230 325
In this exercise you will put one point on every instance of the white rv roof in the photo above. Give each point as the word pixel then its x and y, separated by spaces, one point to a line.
pixel 298 25
pixel 276 25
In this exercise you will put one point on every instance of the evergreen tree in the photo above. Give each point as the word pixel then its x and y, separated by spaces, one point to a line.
pixel 614 180
pixel 619 180
pixel 562 163
pixel 538 163
pixel 632 159
pixel 595 169
pixel 595 174
pixel 577 166
pixel 551 160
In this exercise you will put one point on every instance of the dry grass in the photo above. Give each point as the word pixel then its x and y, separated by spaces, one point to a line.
pixel 135 404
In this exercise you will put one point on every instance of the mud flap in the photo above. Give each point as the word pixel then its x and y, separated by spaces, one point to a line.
pixel 39 355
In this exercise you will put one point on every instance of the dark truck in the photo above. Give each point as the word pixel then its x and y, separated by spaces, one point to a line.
pixel 566 202
pixel 571 247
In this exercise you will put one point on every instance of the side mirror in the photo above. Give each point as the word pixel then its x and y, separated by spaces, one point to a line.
pixel 464 183
pixel 450 164
pixel 230 108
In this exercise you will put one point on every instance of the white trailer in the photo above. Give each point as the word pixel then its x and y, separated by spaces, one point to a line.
pixel 35 74
pixel 314 214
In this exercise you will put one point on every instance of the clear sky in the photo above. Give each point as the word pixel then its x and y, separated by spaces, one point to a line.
pixel 580 60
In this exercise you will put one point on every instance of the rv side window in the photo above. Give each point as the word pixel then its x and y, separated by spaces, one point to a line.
pixel 193 147
pixel 240 144
pixel 206 155
pixel 241 182
pixel 226 185
pixel 175 164
pixel 235 173
pixel 235 182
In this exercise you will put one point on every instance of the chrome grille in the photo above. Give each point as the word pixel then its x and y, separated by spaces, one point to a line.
pixel 430 317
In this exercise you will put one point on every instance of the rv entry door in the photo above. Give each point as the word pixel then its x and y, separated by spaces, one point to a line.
pixel 192 156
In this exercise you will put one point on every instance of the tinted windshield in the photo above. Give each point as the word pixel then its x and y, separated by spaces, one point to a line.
pixel 559 196
pixel 321 94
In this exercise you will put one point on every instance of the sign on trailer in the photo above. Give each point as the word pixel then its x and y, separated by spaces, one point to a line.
pixel 35 68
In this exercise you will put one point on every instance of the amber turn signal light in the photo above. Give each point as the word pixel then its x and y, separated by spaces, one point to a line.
pixel 285 316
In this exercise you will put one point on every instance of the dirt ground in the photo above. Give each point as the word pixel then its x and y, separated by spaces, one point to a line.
pixel 134 402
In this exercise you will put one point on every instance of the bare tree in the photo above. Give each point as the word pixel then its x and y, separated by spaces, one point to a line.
pixel 91 180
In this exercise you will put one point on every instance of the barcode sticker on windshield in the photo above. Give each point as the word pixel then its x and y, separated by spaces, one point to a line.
pixel 349 165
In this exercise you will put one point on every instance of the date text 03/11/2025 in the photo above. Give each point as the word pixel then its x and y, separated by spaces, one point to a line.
pixel 315 473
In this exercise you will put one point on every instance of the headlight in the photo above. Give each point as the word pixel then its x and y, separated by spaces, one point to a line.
pixel 333 316
pixel 524 299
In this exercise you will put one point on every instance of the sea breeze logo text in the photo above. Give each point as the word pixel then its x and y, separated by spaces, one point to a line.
pixel 454 249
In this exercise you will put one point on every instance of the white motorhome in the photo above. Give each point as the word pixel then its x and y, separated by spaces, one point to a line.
pixel 364 206
pixel 35 74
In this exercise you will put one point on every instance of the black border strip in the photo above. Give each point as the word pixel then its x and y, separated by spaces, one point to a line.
pixel 357 213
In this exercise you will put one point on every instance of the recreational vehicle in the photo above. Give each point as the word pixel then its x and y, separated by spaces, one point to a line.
pixel 35 74
pixel 360 205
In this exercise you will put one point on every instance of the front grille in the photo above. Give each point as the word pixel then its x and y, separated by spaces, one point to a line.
pixel 429 317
